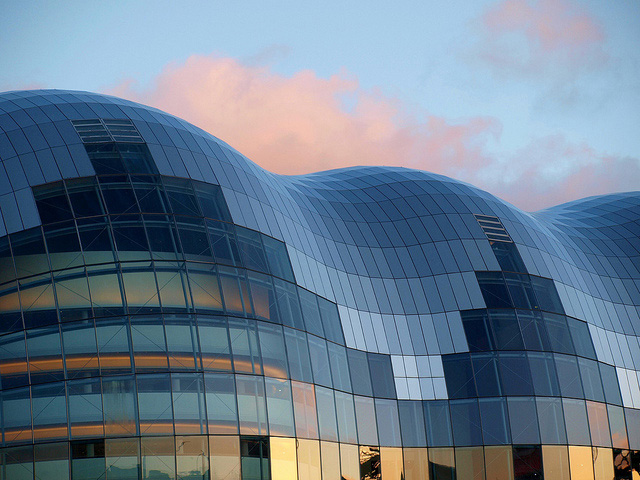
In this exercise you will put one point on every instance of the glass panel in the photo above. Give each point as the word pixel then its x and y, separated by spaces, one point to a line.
pixel 72 293
pixel 205 290
pixel 523 419
pixel 52 461
pixel 590 374
pixel 515 374
pixel 212 201
pixel 598 424
pixel 80 349
pixel 499 463
pixel 114 345
pixel 370 463
pixel 154 404
pixel 330 454
pixel 45 355
pixel 85 408
pixel 533 330
pixel 141 291
pixel 559 336
pixel 304 406
pixel 551 420
pixel 543 374
pixel 194 240
pixel 122 458
pixel 617 426
pixel 222 412
pixel 506 331
pixel 29 253
pixel 556 462
pixel 339 367
pixel 359 369
pixel 365 415
pixel 575 418
pixel 470 463
pixel 310 312
pixel 308 459
pixel 465 419
pixel 223 242
pixel 158 458
pixel 250 246
pixel 391 463
pixel 16 412
pixel 244 345
pixel 527 462
pixel 521 292
pixel 274 358
pixel 581 463
pixel 298 354
pixel 192 458
pixel 49 411
pixel 485 368
pixel 436 414
pixel 346 417
pixel 546 294
pixel 252 409
pixel 225 457
pixel 416 464
pixel 172 284
pixel 106 298
pixel 95 237
pixel 119 405
pixel 279 407
pixel 13 360
pixel 255 458
pixel 568 376
pixel 319 361
pixel 284 464
pixel 278 258
pixel 37 300
pixel 602 463
pixel 331 321
pixel 610 383
pixel 384 385
pixel 508 256
pixel 495 428
pixel 149 344
pixel 412 423
pixel 188 403
pixel 442 464
pixel 459 376
pixel 232 292
pixel 263 297
pixel 388 422
pixel 477 330
pixel 288 304
pixel 182 343
pixel 214 343
pixel 87 460
pixel 581 338
pixel 327 422
pixel 494 290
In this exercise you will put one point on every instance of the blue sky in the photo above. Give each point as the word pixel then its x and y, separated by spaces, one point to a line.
pixel 542 94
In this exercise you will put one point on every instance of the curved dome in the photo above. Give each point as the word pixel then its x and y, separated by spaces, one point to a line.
pixel 132 242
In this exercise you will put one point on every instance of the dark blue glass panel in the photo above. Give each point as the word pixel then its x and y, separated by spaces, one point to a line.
pixel 508 257
pixel 412 423
pixel 381 371
pixel 465 419
pixel 523 420
pixel 438 423
pixel 581 338
pixel 485 369
pixel 458 374
pixel 495 423
pixel 359 369
pixel 515 374
pixel 546 294
pixel 559 335
pixel 494 290
pixel 477 330
pixel 506 331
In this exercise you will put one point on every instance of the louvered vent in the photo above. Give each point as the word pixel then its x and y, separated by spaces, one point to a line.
pixel 493 228
pixel 104 131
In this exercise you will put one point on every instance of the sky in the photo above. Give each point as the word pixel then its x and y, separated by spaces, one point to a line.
pixel 536 101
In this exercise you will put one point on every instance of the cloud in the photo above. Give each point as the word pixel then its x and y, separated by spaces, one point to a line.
pixel 304 123
pixel 538 38
pixel 552 170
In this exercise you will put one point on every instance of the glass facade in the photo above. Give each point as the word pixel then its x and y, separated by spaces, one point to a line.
pixel 168 310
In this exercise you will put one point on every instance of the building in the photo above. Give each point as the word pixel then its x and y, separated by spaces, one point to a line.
pixel 170 310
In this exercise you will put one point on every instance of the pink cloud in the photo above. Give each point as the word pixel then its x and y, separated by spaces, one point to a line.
pixel 300 124
pixel 552 170
pixel 534 37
